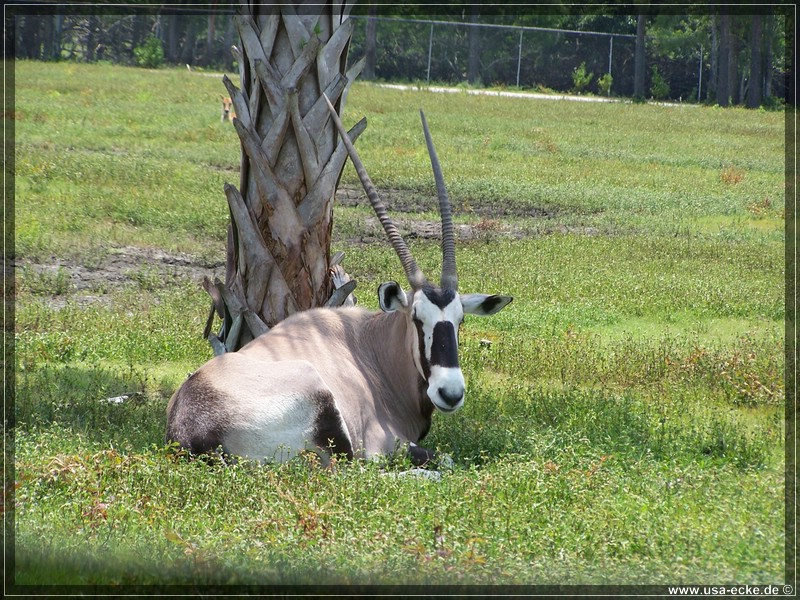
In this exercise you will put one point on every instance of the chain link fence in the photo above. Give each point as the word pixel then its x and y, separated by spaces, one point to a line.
pixel 529 57
pixel 410 50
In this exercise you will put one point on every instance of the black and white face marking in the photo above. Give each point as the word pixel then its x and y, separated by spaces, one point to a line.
pixel 437 315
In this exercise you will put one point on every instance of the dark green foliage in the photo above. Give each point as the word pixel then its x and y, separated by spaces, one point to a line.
pixel 604 83
pixel 580 78
pixel 659 88
pixel 150 54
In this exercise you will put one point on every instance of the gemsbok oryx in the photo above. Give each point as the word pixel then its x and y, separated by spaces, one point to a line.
pixel 228 112
pixel 340 380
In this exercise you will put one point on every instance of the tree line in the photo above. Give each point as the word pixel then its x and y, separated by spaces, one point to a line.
pixel 726 57
pixel 135 37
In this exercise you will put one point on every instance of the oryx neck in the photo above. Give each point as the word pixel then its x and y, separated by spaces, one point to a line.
pixel 392 338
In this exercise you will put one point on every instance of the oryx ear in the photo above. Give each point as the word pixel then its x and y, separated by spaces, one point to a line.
pixel 391 297
pixel 484 304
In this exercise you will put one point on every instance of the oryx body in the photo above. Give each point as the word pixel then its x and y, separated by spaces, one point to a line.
pixel 346 380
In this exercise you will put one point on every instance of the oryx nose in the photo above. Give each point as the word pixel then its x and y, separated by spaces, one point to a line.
pixel 450 397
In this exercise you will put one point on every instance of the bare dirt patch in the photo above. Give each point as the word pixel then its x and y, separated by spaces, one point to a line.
pixel 90 280
pixel 407 201
pixel 432 230
pixel 485 222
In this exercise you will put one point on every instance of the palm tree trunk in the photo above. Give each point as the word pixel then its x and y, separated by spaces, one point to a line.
pixel 278 257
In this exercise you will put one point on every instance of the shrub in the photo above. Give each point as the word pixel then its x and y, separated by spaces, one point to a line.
pixel 580 78
pixel 149 55
pixel 659 88
pixel 604 83
pixel 772 103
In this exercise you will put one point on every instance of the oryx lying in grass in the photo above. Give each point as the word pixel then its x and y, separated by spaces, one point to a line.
pixel 344 380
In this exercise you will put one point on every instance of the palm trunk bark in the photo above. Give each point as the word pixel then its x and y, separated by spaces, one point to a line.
pixel 278 257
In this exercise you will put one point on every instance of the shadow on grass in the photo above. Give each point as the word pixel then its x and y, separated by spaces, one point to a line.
pixel 546 424
pixel 109 407
pixel 123 408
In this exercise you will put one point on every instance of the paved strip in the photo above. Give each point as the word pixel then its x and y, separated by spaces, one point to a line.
pixel 530 95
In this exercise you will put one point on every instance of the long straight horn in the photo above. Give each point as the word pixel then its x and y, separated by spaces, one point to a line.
pixel 413 272
pixel 449 275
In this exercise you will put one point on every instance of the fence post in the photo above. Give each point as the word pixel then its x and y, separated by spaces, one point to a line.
pixel 610 52
pixel 430 47
pixel 700 75
pixel 519 54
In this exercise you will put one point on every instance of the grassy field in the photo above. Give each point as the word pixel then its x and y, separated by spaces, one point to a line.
pixel 625 427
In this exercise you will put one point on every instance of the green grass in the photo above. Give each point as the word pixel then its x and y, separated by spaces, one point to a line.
pixel 625 426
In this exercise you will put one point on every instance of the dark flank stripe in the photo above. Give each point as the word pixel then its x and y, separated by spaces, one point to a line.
pixel 329 434
pixel 195 420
